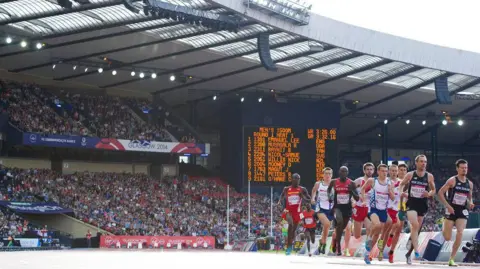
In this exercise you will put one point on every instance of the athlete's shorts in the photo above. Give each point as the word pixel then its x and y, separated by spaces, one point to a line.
pixel 295 216
pixel 345 212
pixel 328 213
pixel 402 215
pixel 309 230
pixel 382 214
pixel 393 215
pixel 419 207
pixel 360 213
pixel 457 214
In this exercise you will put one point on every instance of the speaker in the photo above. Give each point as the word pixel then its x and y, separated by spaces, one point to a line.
pixel 441 91
pixel 263 46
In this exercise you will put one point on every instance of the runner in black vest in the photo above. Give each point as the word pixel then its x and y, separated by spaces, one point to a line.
pixel 421 187
pixel 458 203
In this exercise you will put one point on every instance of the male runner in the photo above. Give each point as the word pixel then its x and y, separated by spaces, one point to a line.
pixel 398 228
pixel 345 189
pixel 458 203
pixel 294 195
pixel 323 206
pixel 348 235
pixel 382 190
pixel 360 211
pixel 421 187
pixel 309 224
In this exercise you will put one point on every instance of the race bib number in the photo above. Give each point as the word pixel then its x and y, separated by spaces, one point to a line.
pixel 343 199
pixel 465 212
pixel 417 191
pixel 308 221
pixel 294 200
pixel 459 199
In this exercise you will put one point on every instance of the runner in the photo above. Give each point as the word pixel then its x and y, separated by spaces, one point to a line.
pixel 402 215
pixel 344 189
pixel 346 240
pixel 309 224
pixel 323 206
pixel 421 187
pixel 294 195
pixel 457 204
pixel 360 211
pixel 382 190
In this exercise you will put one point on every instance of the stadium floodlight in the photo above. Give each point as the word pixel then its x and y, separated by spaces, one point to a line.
pixel 114 72
pixel 141 75
pixel 100 70
pixel 444 122
pixel 460 122
pixel 39 46
pixel 385 122
pixel 86 69
pixel 74 67
pixel 53 66
pixel 214 97
pixel 260 99
pixel 424 122
pixel 172 78
pixel 242 99
pixel 154 75
pixel 132 73
pixel 8 40
pixel 407 121
pixel 23 44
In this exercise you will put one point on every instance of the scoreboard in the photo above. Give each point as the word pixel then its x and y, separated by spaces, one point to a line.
pixel 272 154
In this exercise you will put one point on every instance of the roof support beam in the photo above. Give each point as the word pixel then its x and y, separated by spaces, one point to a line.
pixel 232 73
pixel 300 71
pixel 413 110
pixel 330 79
pixel 472 138
pixel 437 125
pixel 371 84
pixel 239 39
pixel 390 97
pixel 282 44
pixel 85 30
pixel 61 12
pixel 90 39
pixel 106 52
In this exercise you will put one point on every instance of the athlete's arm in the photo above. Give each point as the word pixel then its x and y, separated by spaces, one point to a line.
pixel 441 193
pixel 472 205
pixel 314 191
pixel 391 191
pixel 431 184
pixel 305 194
pixel 282 196
pixel 353 191
pixel 330 187
pixel 367 184
pixel 405 181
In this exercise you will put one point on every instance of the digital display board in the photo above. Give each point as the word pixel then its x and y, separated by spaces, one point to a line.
pixel 273 154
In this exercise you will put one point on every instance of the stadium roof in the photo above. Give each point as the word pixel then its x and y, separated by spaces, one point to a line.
pixel 74 43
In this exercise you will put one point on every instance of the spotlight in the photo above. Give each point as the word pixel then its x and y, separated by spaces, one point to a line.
pixel 114 72
pixel 142 75
pixel 407 121
pixel 38 46
pixel 242 99
pixel 214 97
pixel 100 70
pixel 53 66
pixel 444 122
pixel 154 75
pixel 260 99
pixel 460 122
pixel 379 135
pixel 132 73
pixel 424 122
pixel 172 78
pixel 8 40
pixel 23 44
pixel 74 67
pixel 86 69
pixel 385 121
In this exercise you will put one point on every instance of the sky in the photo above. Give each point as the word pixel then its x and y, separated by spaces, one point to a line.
pixel 451 24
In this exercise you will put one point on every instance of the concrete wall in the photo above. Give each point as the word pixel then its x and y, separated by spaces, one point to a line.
pixel 66 224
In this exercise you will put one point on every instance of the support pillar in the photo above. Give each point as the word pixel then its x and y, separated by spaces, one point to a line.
pixel 385 144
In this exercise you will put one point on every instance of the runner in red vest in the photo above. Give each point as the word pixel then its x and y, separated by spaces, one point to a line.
pixel 294 195
pixel 344 189
pixel 310 226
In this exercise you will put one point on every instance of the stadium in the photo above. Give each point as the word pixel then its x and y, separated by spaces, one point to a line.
pixel 162 132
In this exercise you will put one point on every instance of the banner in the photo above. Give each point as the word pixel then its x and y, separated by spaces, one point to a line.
pixel 24 242
pixel 35 208
pixel 107 241
pixel 67 141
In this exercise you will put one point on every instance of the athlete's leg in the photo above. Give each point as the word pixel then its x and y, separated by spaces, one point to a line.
pixel 348 235
pixel 460 224
pixel 413 219
pixel 447 229
pixel 341 223
pixel 387 228
pixel 292 227
pixel 307 237
pixel 375 229
pixel 397 230
pixel 325 227
pixel 357 229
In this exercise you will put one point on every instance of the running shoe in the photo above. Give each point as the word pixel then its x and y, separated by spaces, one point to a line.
pixel 333 247
pixel 380 247
pixel 366 257
pixel 390 257
pixel 417 256
pixel 409 259
pixel 288 251
pixel 322 250
pixel 451 262
pixel 347 252
pixel 368 243
pixel 320 246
